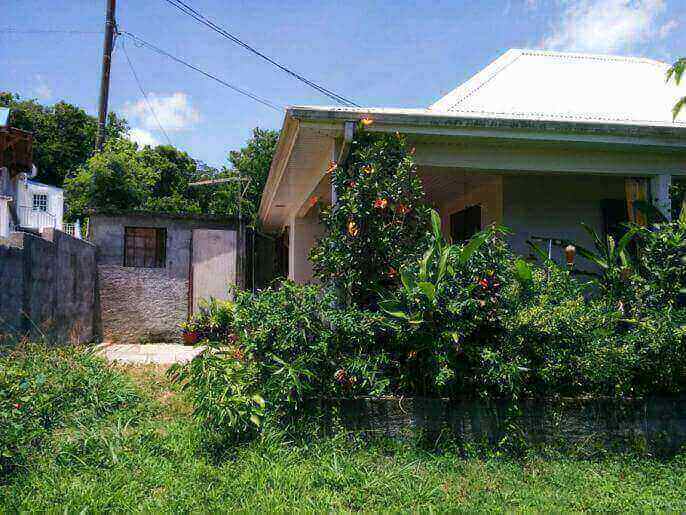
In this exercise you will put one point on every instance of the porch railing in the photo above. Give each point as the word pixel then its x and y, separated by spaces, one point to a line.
pixel 35 219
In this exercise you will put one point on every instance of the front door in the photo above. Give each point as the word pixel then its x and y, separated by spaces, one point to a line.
pixel 213 264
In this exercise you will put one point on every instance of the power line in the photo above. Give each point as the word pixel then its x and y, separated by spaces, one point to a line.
pixel 145 96
pixel 47 31
pixel 189 11
pixel 141 42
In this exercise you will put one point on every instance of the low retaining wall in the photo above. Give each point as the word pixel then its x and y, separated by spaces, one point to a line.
pixel 656 425
pixel 48 287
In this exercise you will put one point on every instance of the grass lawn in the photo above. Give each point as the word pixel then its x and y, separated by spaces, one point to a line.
pixel 150 457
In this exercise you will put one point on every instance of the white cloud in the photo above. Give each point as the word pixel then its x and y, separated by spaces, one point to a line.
pixel 667 28
pixel 142 137
pixel 174 112
pixel 41 89
pixel 607 25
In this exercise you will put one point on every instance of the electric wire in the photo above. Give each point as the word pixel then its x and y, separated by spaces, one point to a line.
pixel 189 11
pixel 145 95
pixel 141 42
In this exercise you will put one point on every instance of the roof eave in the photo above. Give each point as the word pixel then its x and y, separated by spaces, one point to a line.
pixel 422 118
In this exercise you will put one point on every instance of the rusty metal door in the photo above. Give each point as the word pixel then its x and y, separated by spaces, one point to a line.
pixel 213 265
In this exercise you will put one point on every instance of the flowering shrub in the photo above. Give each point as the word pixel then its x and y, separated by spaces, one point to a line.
pixel 379 221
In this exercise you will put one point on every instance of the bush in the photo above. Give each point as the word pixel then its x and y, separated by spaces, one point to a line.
pixel 285 346
pixel 379 221
pixel 41 388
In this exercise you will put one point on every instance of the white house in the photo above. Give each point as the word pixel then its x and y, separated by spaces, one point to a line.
pixel 24 204
pixel 537 141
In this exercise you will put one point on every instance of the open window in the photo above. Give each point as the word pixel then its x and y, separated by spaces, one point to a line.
pixel 465 224
pixel 145 247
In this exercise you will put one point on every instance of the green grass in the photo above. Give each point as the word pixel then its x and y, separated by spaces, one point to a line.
pixel 150 456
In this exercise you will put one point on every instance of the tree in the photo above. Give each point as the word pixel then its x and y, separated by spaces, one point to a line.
pixel 124 178
pixel 676 72
pixel 252 162
pixel 380 220
pixel 63 134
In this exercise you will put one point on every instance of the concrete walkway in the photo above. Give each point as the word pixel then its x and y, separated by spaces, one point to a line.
pixel 153 353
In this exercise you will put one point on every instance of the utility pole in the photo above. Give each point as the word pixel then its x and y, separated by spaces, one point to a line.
pixel 110 26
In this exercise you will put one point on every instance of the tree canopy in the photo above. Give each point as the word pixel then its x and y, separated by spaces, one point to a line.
pixel 128 177
pixel 63 134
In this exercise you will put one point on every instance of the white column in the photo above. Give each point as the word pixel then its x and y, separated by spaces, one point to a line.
pixel 659 194
pixel 4 217
pixel 302 234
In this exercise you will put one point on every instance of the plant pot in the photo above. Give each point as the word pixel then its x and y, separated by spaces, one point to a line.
pixel 190 337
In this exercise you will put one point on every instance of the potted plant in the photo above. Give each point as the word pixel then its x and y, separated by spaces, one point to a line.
pixel 190 333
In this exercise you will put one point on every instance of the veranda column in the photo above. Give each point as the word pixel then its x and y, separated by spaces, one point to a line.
pixel 659 194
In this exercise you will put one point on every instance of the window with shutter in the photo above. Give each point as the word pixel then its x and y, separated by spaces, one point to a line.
pixel 145 247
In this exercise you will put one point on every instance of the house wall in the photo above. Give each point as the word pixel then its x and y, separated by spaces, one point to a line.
pixel 38 219
pixel 145 304
pixel 553 206
pixel 303 234
pixel 48 287
pixel 487 194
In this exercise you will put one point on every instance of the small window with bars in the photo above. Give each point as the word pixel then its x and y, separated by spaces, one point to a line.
pixel 40 202
pixel 145 247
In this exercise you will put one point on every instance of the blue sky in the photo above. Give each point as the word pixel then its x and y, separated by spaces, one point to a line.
pixel 393 53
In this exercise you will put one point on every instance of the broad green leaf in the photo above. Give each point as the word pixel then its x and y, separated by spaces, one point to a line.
pixel 428 289
pixel 407 279
pixel 394 309
pixel 255 420
pixel 436 224
pixel 424 264
pixel 474 244
pixel 592 256
pixel 523 271
pixel 258 400
pixel 443 263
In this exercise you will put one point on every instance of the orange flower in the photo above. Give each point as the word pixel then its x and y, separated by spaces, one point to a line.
pixel 368 169
pixel 332 166
pixel 353 229
pixel 366 121
pixel 313 200
pixel 380 203
pixel 402 209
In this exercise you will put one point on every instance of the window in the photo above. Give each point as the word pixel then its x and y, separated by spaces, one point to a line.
pixel 145 247
pixel 465 224
pixel 40 202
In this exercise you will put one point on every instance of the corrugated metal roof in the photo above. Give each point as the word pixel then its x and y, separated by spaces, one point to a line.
pixel 554 86
pixel 4 116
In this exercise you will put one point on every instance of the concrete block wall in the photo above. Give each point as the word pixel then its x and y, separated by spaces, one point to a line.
pixel 48 287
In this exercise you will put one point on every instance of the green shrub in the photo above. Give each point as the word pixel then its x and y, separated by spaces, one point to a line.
pixel 41 388
pixel 287 346
pixel 661 279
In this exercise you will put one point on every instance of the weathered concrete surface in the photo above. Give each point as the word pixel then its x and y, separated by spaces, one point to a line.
pixel 48 287
pixel 141 304
pixel 656 425
pixel 160 353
